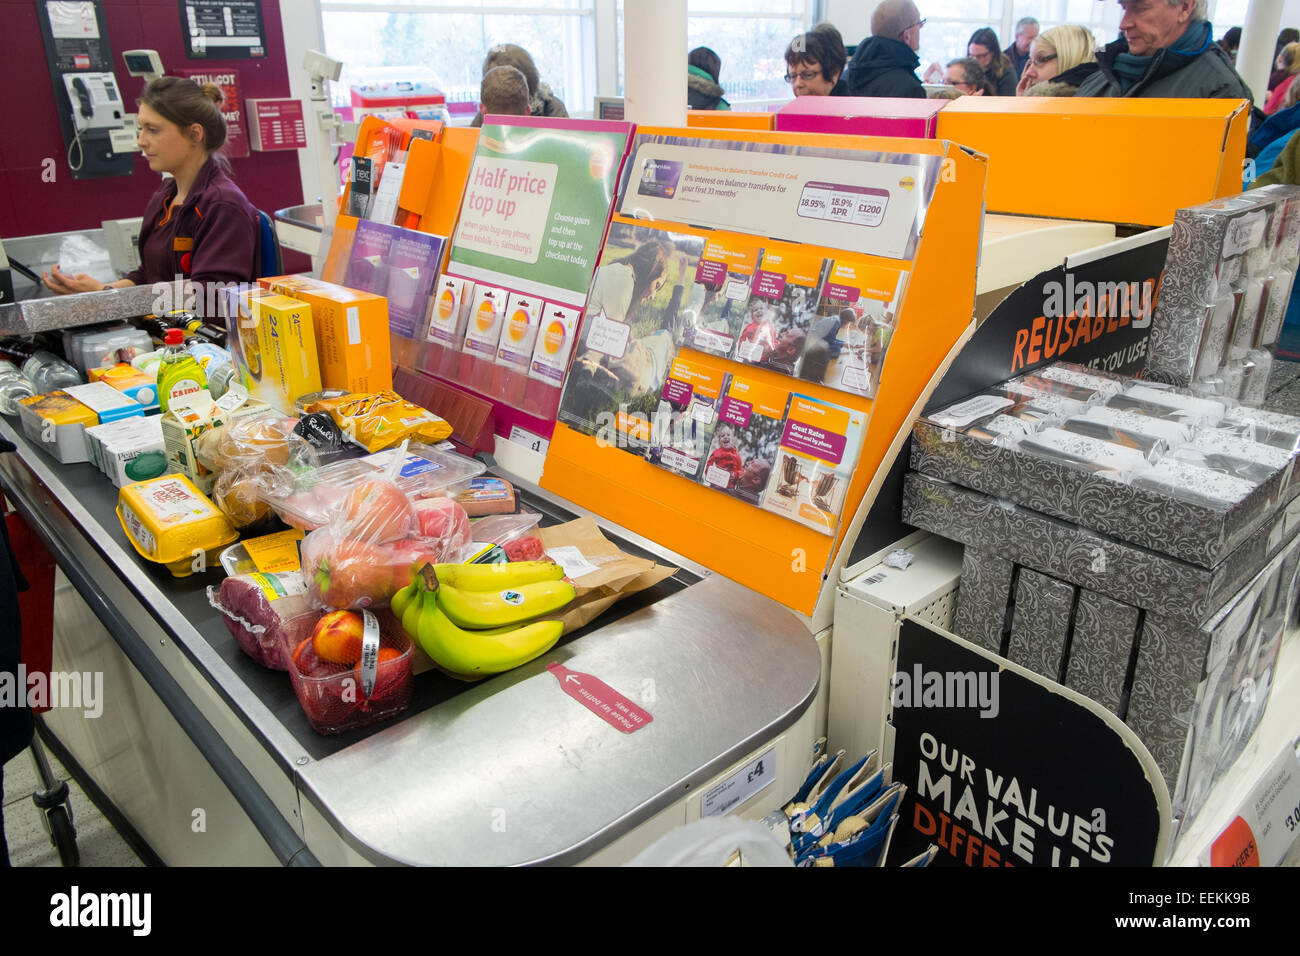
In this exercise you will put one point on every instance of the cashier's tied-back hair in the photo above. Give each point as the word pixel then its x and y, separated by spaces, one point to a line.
pixel 182 101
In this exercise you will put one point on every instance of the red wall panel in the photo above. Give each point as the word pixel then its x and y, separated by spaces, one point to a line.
pixel 29 130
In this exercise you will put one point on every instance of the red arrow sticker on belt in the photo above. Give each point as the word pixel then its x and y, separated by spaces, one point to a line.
pixel 601 699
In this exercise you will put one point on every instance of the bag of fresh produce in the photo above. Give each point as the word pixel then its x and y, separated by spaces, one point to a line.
pixel 375 541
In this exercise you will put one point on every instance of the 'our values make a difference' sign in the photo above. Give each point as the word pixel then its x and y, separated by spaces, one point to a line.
pixel 1014 774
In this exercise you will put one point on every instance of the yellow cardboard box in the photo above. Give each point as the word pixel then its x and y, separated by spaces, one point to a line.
pixel 352 339
pixel 276 354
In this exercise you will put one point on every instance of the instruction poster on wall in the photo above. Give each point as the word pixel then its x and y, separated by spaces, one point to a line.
pixel 861 202
pixel 232 107
pixel 536 205
pixel 222 29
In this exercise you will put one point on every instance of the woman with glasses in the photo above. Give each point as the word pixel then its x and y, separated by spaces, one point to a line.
pixel 1059 60
pixel 985 50
pixel 815 63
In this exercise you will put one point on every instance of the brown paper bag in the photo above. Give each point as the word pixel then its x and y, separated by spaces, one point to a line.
pixel 601 573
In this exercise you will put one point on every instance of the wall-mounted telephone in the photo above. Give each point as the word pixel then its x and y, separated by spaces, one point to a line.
pixel 96 102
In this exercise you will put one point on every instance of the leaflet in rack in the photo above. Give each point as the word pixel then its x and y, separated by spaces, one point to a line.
pixel 630 334
pixel 534 214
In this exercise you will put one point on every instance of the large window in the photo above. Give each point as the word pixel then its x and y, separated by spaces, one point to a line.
pixel 749 36
pixel 382 38
pixel 578 44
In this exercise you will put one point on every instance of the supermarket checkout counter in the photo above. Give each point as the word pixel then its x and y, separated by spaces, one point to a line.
pixel 210 758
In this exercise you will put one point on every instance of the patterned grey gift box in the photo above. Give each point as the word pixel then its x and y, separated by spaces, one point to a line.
pixel 1257 225
pixel 1165 682
pixel 1104 631
pixel 1146 517
pixel 1040 625
pixel 1198 694
pixel 1136 576
pixel 1202 239
pixel 982 598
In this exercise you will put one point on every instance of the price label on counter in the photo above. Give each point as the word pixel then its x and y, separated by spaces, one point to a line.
pixel 531 441
pixel 740 786
pixel 1267 823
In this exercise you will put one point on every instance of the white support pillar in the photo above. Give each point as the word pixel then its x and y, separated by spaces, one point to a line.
pixel 654 72
pixel 1258 37
pixel 303 31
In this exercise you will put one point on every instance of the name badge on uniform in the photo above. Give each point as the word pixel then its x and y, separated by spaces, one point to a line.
pixel 182 244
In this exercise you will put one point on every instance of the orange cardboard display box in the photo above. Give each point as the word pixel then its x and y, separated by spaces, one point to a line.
pixel 351 332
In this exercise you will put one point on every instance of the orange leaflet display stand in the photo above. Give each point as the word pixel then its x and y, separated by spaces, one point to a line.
pixel 794 184
pixel 429 201
pixel 1105 160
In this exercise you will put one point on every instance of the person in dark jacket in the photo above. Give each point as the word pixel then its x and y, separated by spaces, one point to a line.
pixel 198 224
pixel 885 63
pixel 815 64
pixel 703 67
pixel 542 101
pixel 15 722
pixel 1018 53
pixel 1230 42
pixel 1167 51
pixel 984 48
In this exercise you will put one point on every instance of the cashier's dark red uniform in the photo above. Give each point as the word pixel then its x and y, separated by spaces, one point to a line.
pixel 214 236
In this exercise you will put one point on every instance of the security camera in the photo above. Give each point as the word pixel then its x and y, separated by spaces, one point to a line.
pixel 321 67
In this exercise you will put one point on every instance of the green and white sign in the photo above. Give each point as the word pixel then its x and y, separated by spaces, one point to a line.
pixel 536 206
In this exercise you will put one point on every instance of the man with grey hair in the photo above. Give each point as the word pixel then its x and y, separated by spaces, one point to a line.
pixel 1018 52
pixel 1166 51
pixel 885 63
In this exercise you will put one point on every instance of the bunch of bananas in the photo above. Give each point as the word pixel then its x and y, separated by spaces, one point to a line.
pixel 481 619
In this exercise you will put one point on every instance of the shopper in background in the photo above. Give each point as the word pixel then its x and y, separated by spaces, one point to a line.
pixel 1018 52
pixel 1288 60
pixel 985 50
pixel 885 63
pixel 503 92
pixel 1275 128
pixel 1059 61
pixel 1288 35
pixel 703 68
pixel 814 64
pixel 541 100
pixel 944 93
pixel 1166 51
pixel 838 52
pixel 1285 166
pixel 967 76
pixel 198 224
pixel 1230 41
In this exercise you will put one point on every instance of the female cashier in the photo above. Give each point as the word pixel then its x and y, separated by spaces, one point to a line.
pixel 198 224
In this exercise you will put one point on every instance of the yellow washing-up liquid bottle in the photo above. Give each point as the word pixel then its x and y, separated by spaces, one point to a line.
pixel 179 375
